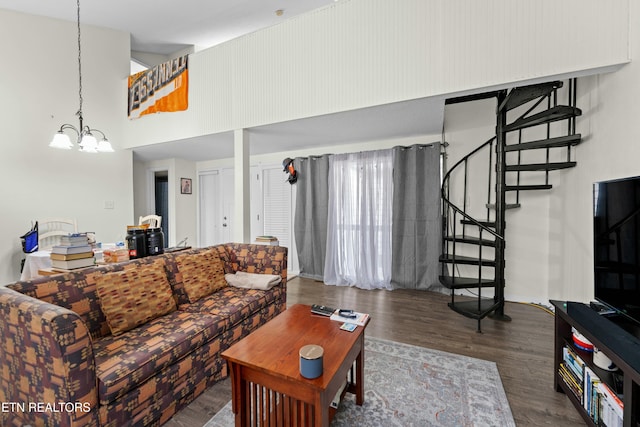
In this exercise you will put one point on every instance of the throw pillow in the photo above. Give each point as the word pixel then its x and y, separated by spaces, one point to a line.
pixel 201 273
pixel 133 297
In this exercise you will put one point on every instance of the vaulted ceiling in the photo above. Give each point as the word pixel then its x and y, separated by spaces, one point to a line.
pixel 164 27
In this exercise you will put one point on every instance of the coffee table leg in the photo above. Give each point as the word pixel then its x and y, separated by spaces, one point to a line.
pixel 238 395
pixel 360 374
pixel 321 410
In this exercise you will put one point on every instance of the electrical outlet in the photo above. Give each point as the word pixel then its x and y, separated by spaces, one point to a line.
pixel 109 204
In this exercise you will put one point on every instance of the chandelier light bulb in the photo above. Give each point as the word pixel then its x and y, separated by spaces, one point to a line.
pixel 104 146
pixel 61 140
pixel 88 143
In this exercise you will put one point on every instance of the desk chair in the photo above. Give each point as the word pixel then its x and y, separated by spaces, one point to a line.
pixel 50 231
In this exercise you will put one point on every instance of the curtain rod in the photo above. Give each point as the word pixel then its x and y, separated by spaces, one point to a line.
pixel 402 147
pixel 429 145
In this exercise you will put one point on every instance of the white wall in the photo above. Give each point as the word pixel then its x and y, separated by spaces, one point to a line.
pixel 612 151
pixel 184 220
pixel 40 92
pixel 360 53
pixel 141 190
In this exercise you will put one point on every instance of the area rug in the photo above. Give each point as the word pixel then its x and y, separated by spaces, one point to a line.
pixel 407 385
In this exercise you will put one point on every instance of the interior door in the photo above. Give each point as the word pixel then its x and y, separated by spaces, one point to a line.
pixel 162 202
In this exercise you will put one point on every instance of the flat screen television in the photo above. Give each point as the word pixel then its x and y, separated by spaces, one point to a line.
pixel 616 236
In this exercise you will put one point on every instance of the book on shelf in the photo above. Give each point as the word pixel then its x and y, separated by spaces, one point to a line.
pixel 574 384
pixel 590 379
pixel 359 319
pixel 72 264
pixel 574 362
pixel 69 257
pixel 74 249
pixel 611 409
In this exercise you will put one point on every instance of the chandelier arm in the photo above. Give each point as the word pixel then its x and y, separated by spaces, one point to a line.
pixel 68 126
pixel 98 131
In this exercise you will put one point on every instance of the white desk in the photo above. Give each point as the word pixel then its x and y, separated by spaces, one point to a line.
pixel 35 261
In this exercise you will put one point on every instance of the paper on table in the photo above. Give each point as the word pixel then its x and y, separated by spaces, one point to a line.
pixel 360 319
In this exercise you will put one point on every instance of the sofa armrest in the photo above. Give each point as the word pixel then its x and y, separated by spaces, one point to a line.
pixel 264 259
pixel 47 368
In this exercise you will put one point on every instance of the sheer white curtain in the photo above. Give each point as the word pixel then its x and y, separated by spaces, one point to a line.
pixel 360 220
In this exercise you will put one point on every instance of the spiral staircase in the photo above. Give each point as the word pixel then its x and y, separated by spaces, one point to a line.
pixel 535 135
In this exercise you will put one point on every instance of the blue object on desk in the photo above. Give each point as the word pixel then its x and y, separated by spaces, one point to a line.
pixel 311 361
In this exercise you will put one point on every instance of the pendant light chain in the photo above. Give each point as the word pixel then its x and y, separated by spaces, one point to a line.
pixel 86 140
pixel 79 113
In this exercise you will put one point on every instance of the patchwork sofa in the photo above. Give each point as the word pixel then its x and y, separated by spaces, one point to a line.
pixel 128 343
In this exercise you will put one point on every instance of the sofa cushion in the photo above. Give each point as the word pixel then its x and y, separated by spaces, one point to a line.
pixel 201 274
pixel 132 297
pixel 234 303
pixel 126 361
pixel 224 257
pixel 168 390
pixel 265 259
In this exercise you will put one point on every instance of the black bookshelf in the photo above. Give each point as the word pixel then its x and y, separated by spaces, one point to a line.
pixel 622 347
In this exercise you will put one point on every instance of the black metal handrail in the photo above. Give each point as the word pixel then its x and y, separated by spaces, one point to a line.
pixel 449 204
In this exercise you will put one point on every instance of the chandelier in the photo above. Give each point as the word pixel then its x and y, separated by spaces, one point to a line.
pixel 86 140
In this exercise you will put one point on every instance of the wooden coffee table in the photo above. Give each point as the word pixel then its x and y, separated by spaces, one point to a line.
pixel 267 387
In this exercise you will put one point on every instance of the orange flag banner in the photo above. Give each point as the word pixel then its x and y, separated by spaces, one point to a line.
pixel 164 87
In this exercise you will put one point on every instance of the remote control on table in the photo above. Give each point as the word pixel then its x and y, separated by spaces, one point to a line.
pixel 322 310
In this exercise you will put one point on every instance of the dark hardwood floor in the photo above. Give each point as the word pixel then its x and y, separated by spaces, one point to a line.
pixel 522 348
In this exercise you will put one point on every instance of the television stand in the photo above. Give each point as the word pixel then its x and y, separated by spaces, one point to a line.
pixel 617 344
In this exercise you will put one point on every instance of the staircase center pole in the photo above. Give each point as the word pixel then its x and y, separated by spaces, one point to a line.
pixel 501 207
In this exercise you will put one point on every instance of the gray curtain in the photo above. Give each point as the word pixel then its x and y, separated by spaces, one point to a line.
pixel 310 220
pixel 417 226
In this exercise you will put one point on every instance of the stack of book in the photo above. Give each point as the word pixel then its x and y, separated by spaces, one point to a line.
pixel 267 240
pixel 74 251
pixel 572 372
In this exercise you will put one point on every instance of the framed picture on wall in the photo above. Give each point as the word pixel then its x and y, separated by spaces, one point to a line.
pixel 185 185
